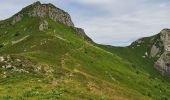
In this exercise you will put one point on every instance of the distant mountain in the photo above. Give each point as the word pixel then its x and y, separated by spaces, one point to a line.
pixel 43 56
pixel 159 50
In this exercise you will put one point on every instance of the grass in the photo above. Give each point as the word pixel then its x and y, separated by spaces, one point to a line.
pixel 82 70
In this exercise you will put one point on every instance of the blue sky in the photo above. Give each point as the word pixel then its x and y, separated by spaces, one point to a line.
pixel 113 22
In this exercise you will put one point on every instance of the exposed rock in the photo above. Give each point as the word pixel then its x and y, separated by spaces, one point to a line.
pixel 16 18
pixel 41 10
pixel 165 38
pixel 158 49
pixel 140 41
pixel 154 51
pixel 146 53
pixel 143 56
pixel 56 14
pixel 22 65
pixel 163 63
pixel 43 25
pixel 2 59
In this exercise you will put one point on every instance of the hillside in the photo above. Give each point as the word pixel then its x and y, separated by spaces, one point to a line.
pixel 44 56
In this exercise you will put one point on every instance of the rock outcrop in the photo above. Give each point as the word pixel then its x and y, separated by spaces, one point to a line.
pixel 158 49
pixel 22 65
pixel 165 38
pixel 44 10
pixel 16 18
pixel 43 25
pixel 163 63
pixel 56 14
pixel 154 51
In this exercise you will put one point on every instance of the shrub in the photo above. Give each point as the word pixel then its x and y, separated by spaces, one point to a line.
pixel 149 94
pixel 164 98
pixel 28 94
pixel 17 34
pixel 137 72
pixel 7 97
pixel 1 45
pixel 58 94
pixel 102 98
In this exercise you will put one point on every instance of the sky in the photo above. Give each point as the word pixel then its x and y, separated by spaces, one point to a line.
pixel 110 22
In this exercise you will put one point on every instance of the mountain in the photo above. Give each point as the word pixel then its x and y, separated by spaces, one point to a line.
pixel 44 56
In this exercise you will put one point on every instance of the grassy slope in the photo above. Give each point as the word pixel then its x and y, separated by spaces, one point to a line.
pixel 151 78
pixel 82 70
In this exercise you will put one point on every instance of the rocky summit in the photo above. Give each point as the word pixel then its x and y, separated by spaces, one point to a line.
pixel 43 56
pixel 163 62
pixel 43 10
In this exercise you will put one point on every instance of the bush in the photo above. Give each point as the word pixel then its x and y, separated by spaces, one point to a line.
pixel 57 94
pixel 102 98
pixel 7 97
pixel 155 86
pixel 164 98
pixel 137 72
pixel 135 66
pixel 28 94
pixel 1 45
pixel 149 94
pixel 17 34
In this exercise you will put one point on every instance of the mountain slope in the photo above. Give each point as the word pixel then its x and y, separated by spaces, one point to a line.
pixel 46 57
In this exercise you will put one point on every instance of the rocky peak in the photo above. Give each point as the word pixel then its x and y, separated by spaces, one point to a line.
pixel 162 47
pixel 44 10
pixel 158 48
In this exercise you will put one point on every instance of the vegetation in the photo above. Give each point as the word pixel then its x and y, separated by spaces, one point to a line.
pixel 75 68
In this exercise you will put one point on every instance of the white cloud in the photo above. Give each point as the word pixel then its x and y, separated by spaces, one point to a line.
pixel 115 22
pixel 127 21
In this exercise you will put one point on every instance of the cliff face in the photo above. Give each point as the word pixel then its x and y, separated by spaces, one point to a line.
pixel 157 48
pixel 44 10
pixel 163 63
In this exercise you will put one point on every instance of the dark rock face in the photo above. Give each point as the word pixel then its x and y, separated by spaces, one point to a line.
pixel 81 32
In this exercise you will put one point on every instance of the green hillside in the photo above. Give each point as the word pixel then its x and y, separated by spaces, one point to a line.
pixel 60 63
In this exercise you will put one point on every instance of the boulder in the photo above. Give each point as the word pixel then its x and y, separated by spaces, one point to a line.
pixel 43 25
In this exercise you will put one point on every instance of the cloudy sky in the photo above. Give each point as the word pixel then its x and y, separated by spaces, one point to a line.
pixel 113 22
